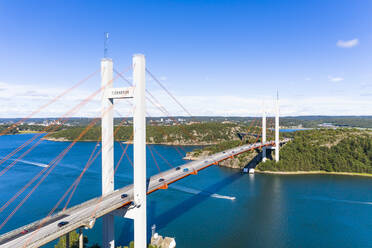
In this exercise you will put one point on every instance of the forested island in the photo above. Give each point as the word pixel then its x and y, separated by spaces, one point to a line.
pixel 325 150
pixel 191 134
pixel 317 150
pixel 310 151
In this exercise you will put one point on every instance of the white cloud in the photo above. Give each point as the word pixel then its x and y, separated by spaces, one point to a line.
pixel 363 86
pixel 335 79
pixel 366 94
pixel 347 43
pixel 229 105
pixel 21 100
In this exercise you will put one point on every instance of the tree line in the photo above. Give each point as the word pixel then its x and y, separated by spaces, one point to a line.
pixel 339 150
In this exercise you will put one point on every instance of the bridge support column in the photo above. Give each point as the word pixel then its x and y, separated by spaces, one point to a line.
pixel 139 147
pixel 264 136
pixel 81 238
pixel 277 142
pixel 107 122
pixel 67 240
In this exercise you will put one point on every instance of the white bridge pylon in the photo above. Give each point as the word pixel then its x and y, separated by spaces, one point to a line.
pixel 277 141
pixel 138 213
pixel 277 129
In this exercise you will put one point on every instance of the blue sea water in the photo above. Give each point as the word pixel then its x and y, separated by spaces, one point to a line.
pixel 200 210
pixel 287 130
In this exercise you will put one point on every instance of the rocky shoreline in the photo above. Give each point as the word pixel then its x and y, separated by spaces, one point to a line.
pixel 237 162
pixel 131 142
pixel 313 173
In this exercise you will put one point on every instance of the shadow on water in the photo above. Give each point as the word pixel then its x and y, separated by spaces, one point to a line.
pixel 126 234
pixel 163 219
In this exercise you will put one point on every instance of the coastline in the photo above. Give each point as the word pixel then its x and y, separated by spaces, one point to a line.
pixel 25 132
pixel 30 131
pixel 313 173
pixel 131 142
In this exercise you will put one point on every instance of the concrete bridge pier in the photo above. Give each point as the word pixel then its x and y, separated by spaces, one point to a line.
pixel 81 238
pixel 263 136
pixel 67 240
pixel 139 149
pixel 107 122
pixel 277 142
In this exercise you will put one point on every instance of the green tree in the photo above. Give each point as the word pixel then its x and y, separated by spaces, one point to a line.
pixel 74 240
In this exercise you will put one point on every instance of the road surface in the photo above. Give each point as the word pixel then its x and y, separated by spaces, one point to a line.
pixel 84 215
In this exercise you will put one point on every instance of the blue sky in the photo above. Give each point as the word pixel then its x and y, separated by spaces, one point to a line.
pixel 217 57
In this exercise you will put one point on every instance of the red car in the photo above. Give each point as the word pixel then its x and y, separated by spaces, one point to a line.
pixel 24 231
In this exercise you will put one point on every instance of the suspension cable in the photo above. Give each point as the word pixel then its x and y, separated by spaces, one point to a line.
pixel 48 103
pixel 62 120
pixel 167 91
pixel 50 166
pixel 158 105
pixel 76 182
pixel 164 159
pixel 153 157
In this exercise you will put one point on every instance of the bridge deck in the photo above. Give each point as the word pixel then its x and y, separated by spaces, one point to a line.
pixel 46 230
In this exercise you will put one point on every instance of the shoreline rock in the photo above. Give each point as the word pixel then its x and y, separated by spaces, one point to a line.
pixel 131 142
pixel 313 173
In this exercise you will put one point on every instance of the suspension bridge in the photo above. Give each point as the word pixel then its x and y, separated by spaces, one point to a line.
pixel 129 201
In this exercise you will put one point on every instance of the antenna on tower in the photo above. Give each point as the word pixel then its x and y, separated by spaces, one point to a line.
pixel 105 43
pixel 277 94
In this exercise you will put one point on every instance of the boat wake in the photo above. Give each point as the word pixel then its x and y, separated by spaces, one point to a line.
pixel 195 192
pixel 30 162
pixel 338 200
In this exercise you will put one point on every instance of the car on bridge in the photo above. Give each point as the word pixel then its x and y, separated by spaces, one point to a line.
pixel 62 223
pixel 178 168
pixel 24 231
pixel 124 196
pixel 161 180
pixel 185 169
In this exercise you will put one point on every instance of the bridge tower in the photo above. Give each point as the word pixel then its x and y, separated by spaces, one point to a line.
pixel 107 124
pixel 139 148
pixel 263 135
pixel 277 142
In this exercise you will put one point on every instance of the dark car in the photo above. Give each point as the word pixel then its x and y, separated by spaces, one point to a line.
pixel 223 152
pixel 124 196
pixel 178 168
pixel 206 161
pixel 24 231
pixel 62 223
pixel 186 170
pixel 161 180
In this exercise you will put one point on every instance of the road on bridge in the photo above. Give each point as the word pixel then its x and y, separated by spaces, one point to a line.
pixel 85 214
